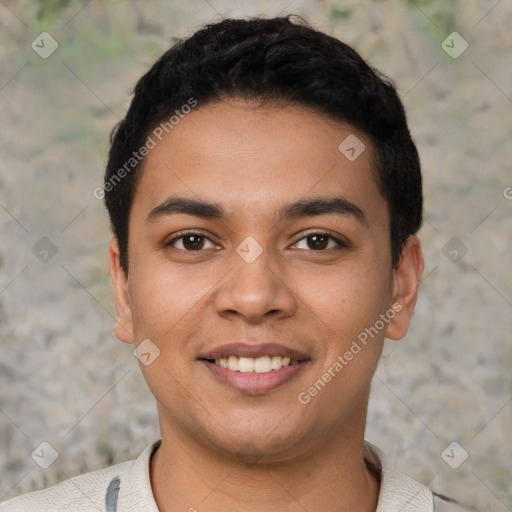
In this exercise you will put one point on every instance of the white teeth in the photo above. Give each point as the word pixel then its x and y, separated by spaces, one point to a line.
pixel 246 364
pixel 276 362
pixel 262 364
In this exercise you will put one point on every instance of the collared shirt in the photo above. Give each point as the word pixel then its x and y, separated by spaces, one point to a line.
pixel 126 487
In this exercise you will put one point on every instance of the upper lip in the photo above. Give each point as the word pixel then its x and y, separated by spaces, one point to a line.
pixel 254 351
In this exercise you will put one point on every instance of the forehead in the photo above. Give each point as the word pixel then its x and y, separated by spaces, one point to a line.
pixel 253 159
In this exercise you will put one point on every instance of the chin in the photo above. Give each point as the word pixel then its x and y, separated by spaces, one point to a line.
pixel 253 445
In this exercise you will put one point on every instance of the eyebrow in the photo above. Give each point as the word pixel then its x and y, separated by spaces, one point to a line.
pixel 186 206
pixel 301 208
pixel 322 206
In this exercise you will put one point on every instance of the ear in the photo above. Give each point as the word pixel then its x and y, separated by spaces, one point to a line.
pixel 407 278
pixel 124 325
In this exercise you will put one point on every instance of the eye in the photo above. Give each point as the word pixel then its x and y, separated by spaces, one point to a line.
pixel 320 242
pixel 192 242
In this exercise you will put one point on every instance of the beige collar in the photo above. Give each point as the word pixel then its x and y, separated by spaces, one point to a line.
pixel 397 491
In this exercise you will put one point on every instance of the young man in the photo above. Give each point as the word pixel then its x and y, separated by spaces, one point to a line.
pixel 264 194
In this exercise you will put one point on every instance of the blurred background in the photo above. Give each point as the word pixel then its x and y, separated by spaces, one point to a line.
pixel 67 71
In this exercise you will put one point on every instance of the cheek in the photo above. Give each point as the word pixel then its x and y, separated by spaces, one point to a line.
pixel 161 299
pixel 348 300
pixel 347 311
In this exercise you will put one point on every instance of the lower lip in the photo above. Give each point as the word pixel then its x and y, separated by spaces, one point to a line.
pixel 255 383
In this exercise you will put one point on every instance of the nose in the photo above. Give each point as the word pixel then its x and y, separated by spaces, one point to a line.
pixel 255 292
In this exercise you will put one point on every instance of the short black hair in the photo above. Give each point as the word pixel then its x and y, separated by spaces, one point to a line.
pixel 268 59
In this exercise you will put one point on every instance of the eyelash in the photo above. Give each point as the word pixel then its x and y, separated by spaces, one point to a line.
pixel 185 235
pixel 328 234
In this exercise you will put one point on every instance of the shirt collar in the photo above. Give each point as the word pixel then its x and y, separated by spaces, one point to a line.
pixel 135 492
pixel 397 493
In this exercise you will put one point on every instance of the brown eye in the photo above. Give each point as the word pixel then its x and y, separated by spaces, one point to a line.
pixel 192 242
pixel 317 242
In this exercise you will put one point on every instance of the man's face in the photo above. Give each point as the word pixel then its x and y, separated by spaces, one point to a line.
pixel 274 268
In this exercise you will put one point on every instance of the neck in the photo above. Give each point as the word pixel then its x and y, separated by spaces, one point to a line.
pixel 187 475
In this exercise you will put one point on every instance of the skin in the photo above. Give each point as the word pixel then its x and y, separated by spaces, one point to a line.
pixel 225 450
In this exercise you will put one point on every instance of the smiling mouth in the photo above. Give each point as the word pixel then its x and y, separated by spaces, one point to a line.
pixel 254 369
pixel 264 364
pixel 254 376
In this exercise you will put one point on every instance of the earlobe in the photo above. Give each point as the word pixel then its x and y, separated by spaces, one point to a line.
pixel 124 326
pixel 407 281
